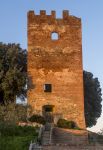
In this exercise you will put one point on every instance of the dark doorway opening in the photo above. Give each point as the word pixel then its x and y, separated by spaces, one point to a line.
pixel 48 113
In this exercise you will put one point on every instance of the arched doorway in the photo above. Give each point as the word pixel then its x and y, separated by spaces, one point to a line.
pixel 47 111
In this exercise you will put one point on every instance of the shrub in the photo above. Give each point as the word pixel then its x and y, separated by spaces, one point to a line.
pixel 13 137
pixel 13 113
pixel 62 123
pixel 37 119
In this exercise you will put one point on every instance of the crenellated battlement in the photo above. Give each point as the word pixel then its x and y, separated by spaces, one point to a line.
pixel 43 13
pixel 66 18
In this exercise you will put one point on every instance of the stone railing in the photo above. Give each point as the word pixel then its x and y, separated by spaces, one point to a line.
pixel 37 142
pixel 35 146
pixel 51 132
pixel 42 128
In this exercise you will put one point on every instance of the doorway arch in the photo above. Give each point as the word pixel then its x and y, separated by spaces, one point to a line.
pixel 47 111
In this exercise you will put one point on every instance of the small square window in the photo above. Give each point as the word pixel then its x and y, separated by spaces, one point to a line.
pixel 47 87
pixel 54 36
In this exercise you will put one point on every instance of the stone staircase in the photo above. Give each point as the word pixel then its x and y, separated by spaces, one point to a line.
pixel 62 139
pixel 54 138
pixel 46 136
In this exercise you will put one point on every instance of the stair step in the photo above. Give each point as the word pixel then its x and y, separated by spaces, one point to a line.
pixel 72 148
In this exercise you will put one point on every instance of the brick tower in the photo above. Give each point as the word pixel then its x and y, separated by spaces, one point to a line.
pixel 55 66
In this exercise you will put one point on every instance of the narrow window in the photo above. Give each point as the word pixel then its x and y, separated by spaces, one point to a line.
pixel 47 87
pixel 54 36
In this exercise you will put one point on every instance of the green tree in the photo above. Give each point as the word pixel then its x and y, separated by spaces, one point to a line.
pixel 13 72
pixel 93 99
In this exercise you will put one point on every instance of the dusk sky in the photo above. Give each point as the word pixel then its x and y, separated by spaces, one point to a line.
pixel 13 28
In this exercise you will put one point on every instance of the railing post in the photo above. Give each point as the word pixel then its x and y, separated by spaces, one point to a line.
pixel 30 147
pixel 51 129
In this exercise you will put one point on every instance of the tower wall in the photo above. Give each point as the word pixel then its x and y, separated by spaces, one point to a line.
pixel 57 62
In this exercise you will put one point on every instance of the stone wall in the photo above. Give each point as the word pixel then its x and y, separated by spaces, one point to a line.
pixel 57 62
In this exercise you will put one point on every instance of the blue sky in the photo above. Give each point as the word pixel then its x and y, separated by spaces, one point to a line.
pixel 13 27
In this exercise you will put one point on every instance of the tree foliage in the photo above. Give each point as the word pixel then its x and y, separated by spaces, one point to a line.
pixel 13 70
pixel 93 99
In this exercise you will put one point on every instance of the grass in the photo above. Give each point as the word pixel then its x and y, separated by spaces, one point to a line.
pixel 15 143
pixel 14 137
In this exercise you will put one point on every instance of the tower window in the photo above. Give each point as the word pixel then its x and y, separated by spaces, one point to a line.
pixel 54 36
pixel 47 87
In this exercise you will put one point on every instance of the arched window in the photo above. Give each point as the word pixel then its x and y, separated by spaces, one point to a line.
pixel 54 36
